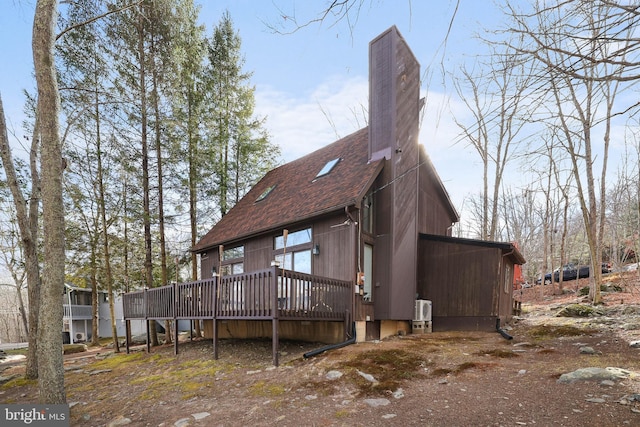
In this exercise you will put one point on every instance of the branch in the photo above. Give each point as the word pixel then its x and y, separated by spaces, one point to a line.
pixel 95 18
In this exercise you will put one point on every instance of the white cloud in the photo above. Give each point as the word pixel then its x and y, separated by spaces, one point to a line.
pixel 303 124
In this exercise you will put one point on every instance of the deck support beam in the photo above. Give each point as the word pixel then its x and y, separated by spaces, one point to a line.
pixel 148 337
pixel 127 333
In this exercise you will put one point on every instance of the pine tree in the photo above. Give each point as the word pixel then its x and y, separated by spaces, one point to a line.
pixel 239 147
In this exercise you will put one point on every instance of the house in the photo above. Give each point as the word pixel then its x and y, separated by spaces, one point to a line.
pixel 353 237
pixel 359 210
pixel 77 315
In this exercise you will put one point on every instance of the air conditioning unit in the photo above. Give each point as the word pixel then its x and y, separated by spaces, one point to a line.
pixel 80 336
pixel 423 311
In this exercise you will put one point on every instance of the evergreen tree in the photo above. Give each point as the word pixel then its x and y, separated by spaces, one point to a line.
pixel 240 151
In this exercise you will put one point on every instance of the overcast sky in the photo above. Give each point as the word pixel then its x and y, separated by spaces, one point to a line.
pixel 312 85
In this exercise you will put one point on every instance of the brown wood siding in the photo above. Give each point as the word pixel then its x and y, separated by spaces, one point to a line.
pixel 337 257
pixel 207 263
pixel 463 281
pixel 258 253
pixel 433 215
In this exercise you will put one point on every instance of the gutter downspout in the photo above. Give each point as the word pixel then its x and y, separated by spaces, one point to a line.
pixel 501 331
pixel 320 350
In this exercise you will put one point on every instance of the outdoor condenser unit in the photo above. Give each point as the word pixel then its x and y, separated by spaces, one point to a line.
pixel 80 336
pixel 423 310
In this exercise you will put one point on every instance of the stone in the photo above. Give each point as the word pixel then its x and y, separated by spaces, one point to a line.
pixel 398 394
pixel 200 415
pixel 99 371
pixel 333 375
pixel 120 421
pixel 389 416
pixel 374 403
pixel 182 422
pixel 594 374
pixel 630 326
pixel 367 377
pixel 634 344
pixel 579 310
pixel 587 350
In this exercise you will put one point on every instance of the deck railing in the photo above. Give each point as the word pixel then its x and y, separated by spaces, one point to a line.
pixel 264 294
pixel 73 311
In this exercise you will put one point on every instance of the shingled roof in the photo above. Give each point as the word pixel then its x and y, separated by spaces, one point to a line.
pixel 297 194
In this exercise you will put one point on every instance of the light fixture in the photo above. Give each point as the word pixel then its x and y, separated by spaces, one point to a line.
pixel 275 263
pixel 316 249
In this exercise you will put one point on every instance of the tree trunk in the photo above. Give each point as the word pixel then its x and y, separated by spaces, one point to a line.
pixel 28 226
pixel 148 262
pixel 50 362
pixel 94 291
pixel 22 310
pixel 164 277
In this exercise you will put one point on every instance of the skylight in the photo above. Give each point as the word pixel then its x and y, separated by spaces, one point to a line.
pixel 265 193
pixel 328 167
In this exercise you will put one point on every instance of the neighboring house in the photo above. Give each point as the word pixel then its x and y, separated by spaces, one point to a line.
pixel 77 315
pixel 357 233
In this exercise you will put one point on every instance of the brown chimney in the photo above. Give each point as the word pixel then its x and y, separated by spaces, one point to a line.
pixel 394 106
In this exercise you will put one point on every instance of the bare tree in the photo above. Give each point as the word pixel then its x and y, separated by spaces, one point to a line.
pixel 584 50
pixel 12 256
pixel 27 214
pixel 497 102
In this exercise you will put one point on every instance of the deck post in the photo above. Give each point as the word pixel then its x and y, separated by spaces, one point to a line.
pixel 127 333
pixel 148 338
pixel 175 318
pixel 274 314
pixel 146 317
pixel 214 320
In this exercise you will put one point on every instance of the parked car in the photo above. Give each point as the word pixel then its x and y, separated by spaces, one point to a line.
pixel 572 272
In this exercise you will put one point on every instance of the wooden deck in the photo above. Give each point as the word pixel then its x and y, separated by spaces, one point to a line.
pixel 271 294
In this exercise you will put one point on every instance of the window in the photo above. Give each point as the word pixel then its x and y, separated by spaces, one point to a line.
pixel 265 193
pixel 233 253
pixel 508 278
pixel 296 255
pixel 232 261
pixel 368 273
pixel 328 167
pixel 293 239
pixel 299 261
pixel 367 214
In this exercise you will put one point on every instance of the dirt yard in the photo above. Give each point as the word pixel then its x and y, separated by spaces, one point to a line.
pixel 436 379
